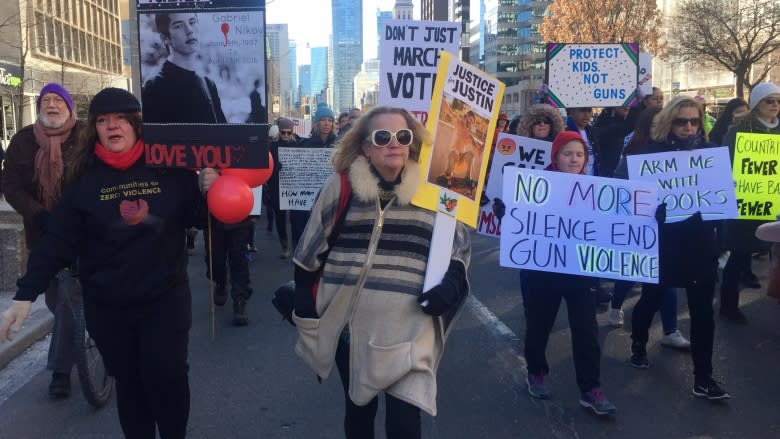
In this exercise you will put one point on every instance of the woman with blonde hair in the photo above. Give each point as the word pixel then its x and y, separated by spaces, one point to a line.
pixel 367 313
pixel 688 255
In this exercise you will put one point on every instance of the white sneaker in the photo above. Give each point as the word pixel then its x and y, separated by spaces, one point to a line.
pixel 615 317
pixel 675 340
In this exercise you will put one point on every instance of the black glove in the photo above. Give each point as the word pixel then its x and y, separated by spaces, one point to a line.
pixel 441 298
pixel 284 300
pixel 303 300
pixel 499 209
pixel 660 213
pixel 41 219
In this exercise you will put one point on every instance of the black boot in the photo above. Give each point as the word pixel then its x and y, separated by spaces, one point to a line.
pixel 220 294
pixel 239 312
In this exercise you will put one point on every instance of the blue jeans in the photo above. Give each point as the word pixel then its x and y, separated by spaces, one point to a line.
pixel 668 304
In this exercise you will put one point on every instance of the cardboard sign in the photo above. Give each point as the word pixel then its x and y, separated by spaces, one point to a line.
pixel 462 119
pixel 578 224
pixel 756 175
pixel 408 58
pixel 689 182
pixel 302 175
pixel 592 75
pixel 511 152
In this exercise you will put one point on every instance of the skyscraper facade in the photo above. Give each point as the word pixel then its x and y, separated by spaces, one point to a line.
pixel 293 93
pixel 319 73
pixel 304 81
pixel 279 79
pixel 434 10
pixel 347 47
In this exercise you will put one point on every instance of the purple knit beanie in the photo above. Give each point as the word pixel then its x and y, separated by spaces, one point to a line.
pixel 57 89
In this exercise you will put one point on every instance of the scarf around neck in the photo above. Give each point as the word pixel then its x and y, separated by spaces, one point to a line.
pixel 120 160
pixel 49 166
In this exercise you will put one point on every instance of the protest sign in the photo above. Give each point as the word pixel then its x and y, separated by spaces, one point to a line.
pixel 756 175
pixel 592 75
pixel 511 152
pixel 689 182
pixel 645 80
pixel 408 58
pixel 463 117
pixel 302 175
pixel 202 63
pixel 169 146
pixel 578 224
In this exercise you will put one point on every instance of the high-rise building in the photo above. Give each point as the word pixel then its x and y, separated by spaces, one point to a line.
pixel 366 90
pixel 461 13
pixel 380 17
pixel 434 10
pixel 403 10
pixel 293 92
pixel 279 79
pixel 77 43
pixel 304 82
pixel 319 74
pixel 347 47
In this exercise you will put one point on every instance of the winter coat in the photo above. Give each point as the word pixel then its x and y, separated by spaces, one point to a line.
pixel 20 186
pixel 687 250
pixel 536 112
pixel 372 278
pixel 739 235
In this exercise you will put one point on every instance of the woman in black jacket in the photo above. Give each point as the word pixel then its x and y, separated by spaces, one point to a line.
pixel 688 256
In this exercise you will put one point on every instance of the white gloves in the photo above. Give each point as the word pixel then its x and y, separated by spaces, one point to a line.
pixel 13 318
pixel 206 178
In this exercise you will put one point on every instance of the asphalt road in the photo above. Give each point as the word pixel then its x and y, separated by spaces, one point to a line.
pixel 248 383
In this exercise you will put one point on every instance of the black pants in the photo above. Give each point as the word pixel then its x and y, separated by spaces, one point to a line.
pixel 402 420
pixel 62 349
pixel 700 297
pixel 736 268
pixel 541 311
pixel 228 250
pixel 145 349
pixel 298 220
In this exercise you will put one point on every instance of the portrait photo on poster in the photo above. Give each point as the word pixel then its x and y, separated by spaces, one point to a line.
pixel 203 67
pixel 458 148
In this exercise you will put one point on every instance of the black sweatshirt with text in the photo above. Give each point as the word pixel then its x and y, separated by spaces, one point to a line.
pixel 125 229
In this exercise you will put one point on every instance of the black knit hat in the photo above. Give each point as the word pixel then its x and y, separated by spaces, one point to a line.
pixel 114 100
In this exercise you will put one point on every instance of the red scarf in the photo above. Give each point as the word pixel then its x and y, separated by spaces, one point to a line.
pixel 120 160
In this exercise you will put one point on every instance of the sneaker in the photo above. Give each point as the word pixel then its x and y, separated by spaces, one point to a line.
pixel 596 401
pixel 60 385
pixel 733 316
pixel 239 312
pixel 710 389
pixel 675 340
pixel 615 317
pixel 220 294
pixel 536 386
pixel 639 357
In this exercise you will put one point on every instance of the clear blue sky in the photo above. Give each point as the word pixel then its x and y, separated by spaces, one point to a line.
pixel 309 22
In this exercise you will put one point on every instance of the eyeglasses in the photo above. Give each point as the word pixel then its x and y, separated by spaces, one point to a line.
pixel 542 121
pixel 771 101
pixel 285 132
pixel 681 122
pixel 382 138
pixel 52 99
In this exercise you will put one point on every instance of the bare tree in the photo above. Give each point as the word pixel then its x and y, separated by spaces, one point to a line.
pixel 606 21
pixel 739 35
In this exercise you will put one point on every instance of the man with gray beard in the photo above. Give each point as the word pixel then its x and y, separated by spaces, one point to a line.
pixel 36 167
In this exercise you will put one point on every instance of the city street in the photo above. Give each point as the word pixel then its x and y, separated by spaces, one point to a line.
pixel 248 382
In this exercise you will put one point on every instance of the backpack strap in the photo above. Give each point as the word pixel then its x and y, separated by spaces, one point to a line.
pixel 345 198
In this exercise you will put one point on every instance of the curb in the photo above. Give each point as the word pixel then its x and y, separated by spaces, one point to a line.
pixel 37 326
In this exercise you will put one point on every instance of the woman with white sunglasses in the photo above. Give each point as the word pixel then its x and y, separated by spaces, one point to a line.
pixel 368 314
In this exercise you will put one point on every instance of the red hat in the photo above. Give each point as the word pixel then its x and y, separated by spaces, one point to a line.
pixel 565 137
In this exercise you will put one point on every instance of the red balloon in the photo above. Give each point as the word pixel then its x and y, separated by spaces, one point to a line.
pixel 253 177
pixel 230 199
